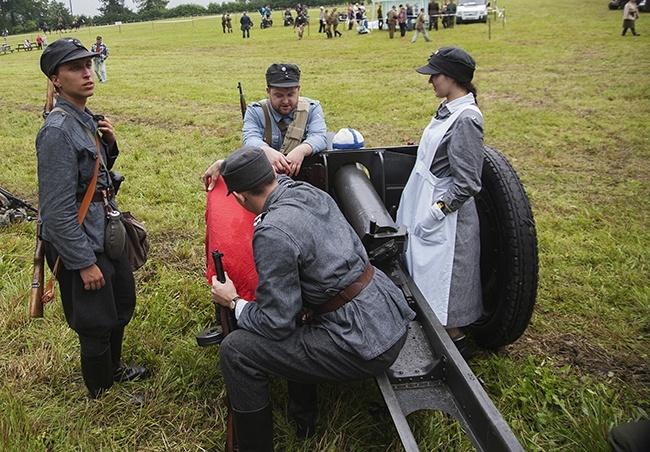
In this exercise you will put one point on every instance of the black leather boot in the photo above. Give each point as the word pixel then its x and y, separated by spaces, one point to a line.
pixel 121 372
pixel 97 372
pixel 254 430
pixel 303 407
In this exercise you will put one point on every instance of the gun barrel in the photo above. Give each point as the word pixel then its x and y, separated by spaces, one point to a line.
pixel 242 100
pixel 36 294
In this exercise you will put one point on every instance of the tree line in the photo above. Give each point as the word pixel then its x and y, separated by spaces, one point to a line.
pixel 26 16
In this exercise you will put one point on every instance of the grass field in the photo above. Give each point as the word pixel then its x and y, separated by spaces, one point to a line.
pixel 565 98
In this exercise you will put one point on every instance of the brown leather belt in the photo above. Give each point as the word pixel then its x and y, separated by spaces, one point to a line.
pixel 98 196
pixel 346 294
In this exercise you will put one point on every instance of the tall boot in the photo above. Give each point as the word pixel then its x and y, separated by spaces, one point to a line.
pixel 120 371
pixel 635 33
pixel 303 407
pixel 97 373
pixel 254 430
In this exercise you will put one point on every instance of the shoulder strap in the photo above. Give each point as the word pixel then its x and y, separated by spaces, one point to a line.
pixel 267 117
pixel 296 129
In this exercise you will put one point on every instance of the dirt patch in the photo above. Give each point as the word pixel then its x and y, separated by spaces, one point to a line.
pixel 583 356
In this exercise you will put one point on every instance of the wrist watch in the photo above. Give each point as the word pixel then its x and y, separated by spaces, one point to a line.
pixel 233 302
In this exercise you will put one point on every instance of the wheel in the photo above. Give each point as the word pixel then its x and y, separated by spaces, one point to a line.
pixel 509 257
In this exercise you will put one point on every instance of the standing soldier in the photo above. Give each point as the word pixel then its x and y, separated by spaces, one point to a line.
pixel 97 292
pixel 391 20
pixel 100 62
pixel 434 12
pixel 246 25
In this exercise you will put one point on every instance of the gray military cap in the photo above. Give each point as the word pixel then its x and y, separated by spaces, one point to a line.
pixel 246 169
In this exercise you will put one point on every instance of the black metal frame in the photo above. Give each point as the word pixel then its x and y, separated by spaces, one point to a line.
pixel 430 373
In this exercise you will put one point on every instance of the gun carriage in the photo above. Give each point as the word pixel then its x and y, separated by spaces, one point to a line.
pixel 430 373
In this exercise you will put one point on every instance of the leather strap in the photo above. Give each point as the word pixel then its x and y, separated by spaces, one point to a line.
pixel 267 119
pixel 48 293
pixel 348 293
pixel 99 196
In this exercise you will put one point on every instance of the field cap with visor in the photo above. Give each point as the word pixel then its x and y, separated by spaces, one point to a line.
pixel 283 75
pixel 61 51
pixel 452 61
pixel 246 169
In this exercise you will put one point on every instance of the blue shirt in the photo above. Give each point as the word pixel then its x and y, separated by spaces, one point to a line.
pixel 254 130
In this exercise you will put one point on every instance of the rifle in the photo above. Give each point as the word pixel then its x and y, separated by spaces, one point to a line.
pixel 228 324
pixel 36 298
pixel 19 202
pixel 242 100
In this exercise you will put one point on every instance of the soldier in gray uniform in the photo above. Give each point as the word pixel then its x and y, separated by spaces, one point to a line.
pixel 322 312
pixel 98 293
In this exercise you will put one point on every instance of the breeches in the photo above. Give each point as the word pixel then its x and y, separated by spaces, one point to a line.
pixel 309 355
pixel 93 314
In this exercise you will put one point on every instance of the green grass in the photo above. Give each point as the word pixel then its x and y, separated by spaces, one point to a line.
pixel 568 104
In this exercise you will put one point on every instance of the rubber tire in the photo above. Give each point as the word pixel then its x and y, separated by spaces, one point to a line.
pixel 509 255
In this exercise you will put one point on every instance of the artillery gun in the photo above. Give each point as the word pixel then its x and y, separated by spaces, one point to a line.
pixel 430 373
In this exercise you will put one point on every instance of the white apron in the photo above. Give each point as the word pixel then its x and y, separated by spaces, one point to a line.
pixel 430 253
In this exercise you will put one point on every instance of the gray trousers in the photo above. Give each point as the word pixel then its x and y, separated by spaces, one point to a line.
pixel 309 355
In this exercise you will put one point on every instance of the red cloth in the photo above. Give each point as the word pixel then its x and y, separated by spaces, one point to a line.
pixel 229 229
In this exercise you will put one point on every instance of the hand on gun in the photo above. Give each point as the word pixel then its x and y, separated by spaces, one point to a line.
pixel 223 293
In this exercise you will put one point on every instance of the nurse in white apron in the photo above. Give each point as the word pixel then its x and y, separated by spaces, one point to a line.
pixel 437 204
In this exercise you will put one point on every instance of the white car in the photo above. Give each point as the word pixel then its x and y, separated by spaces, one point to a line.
pixel 471 11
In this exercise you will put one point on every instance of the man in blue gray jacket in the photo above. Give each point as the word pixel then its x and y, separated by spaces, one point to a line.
pixel 97 292
pixel 322 312
pixel 286 126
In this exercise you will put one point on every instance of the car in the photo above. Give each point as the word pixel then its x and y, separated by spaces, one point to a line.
pixel 471 11
pixel 643 5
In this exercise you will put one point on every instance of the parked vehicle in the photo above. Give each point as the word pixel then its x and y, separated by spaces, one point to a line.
pixel 471 11
pixel 643 5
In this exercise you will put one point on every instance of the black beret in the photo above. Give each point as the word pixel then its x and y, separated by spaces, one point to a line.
pixel 246 169
pixel 283 75
pixel 61 51
pixel 452 61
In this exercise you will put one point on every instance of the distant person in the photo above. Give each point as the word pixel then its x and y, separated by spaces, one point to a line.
pixel 335 22
pixel 401 21
pixel 434 13
pixel 391 21
pixel 229 22
pixel 321 20
pixel 630 15
pixel 246 25
pixel 301 21
pixel 27 44
pixel 380 18
pixel 328 24
pixel 450 12
pixel 286 126
pixel 5 34
pixel 100 62
pixel 223 22
pixel 39 42
pixel 420 27
pixel 409 17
